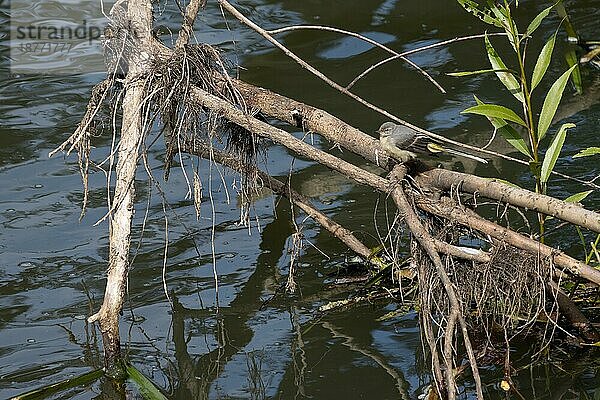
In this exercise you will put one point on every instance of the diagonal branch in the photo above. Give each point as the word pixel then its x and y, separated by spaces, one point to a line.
pixel 426 242
pixel 570 212
pixel 346 236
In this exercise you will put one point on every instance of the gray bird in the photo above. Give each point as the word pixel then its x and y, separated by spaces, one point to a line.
pixel 404 143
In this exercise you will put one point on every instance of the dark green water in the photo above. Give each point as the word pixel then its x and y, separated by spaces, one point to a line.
pixel 52 266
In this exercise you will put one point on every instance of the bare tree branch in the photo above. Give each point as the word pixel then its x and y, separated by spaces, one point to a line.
pixel 486 187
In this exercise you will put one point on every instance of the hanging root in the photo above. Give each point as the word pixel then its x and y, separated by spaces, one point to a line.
pixel 498 297
pixel 92 124
pixel 186 122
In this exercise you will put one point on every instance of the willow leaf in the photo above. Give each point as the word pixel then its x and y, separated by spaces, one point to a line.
pixel 538 20
pixel 577 197
pixel 551 103
pixel 467 73
pixel 553 152
pixel 590 151
pixel 570 54
pixel 496 111
pixel 542 62
pixel 147 388
pixel 484 15
pixel 509 133
pixel 507 78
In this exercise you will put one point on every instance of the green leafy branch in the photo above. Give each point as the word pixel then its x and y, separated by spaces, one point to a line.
pixel 521 85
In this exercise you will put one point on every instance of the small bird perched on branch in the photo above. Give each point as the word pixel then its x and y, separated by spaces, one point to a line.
pixel 404 144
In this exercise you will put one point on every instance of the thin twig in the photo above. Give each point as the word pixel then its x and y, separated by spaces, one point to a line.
pixel 402 55
pixel 364 38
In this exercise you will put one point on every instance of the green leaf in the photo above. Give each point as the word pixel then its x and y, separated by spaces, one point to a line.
pixel 493 110
pixel 467 73
pixel 590 151
pixel 551 103
pixel 573 60
pixel 148 390
pixel 513 137
pixel 562 13
pixel 542 62
pixel 53 388
pixel 553 152
pixel 570 55
pixel 508 132
pixel 538 20
pixel 484 15
pixel 507 78
pixel 577 197
pixel 502 15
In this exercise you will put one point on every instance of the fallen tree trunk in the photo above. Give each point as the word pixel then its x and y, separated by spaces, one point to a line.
pixel 526 198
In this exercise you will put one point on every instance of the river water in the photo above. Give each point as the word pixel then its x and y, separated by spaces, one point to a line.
pixel 259 342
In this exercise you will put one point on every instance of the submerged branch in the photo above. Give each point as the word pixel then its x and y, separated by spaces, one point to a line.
pixel 426 242
pixel 139 15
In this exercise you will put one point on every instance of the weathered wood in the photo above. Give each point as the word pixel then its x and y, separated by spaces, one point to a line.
pixel 139 13
pixel 316 120
pixel 486 187
pixel 454 317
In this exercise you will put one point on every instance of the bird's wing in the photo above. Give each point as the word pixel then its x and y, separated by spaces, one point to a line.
pixel 423 144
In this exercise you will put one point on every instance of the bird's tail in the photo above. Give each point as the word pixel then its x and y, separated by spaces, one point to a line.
pixel 461 154
pixel 436 148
